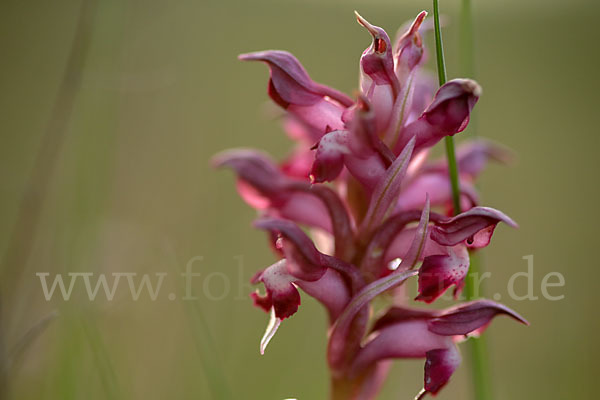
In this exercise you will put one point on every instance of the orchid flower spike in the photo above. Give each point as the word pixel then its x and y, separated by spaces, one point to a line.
pixel 357 208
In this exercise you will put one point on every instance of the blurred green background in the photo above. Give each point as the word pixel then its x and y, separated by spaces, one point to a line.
pixel 122 183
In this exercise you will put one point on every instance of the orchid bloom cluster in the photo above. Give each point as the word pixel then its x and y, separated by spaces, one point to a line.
pixel 377 209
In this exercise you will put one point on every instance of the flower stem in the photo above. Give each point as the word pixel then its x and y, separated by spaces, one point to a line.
pixel 467 57
pixel 441 68
pixel 480 370
pixel 478 348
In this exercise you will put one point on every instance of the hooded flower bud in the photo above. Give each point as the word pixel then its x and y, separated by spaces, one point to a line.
pixel 378 81
pixel 409 50
pixel 447 115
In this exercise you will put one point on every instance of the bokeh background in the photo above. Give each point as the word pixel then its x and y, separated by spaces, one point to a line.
pixel 111 111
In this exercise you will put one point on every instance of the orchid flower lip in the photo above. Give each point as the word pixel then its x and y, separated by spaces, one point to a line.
pixel 270 331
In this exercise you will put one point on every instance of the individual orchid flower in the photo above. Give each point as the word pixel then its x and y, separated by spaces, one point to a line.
pixel 409 52
pixel 445 250
pixel 329 280
pixel 429 334
pixel 378 81
pixel 447 114
pixel 314 105
pixel 382 219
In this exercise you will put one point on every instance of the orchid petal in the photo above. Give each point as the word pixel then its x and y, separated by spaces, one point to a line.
pixel 409 49
pixel 282 296
pixel 299 130
pixel 396 315
pixel 340 219
pixel 331 290
pixel 426 26
pixel 254 167
pixel 474 226
pixel 447 115
pixel 408 55
pixel 303 208
pixel 305 262
pixel 291 88
pixel 439 272
pixel 472 156
pixel 291 80
pixel 469 317
pixel 298 164
pixel 439 367
pixel 408 339
pixel 263 186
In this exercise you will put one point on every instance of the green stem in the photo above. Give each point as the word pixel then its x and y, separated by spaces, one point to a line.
pixel 466 53
pixel 480 367
pixel 441 68
pixel 478 349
